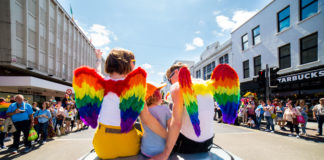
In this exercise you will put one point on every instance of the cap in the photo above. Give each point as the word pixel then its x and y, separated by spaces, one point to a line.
pixel 151 88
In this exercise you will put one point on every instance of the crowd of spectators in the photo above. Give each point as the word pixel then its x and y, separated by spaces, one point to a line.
pixel 291 114
pixel 49 119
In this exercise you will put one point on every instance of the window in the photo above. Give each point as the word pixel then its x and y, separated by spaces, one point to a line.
pixel 256 35
pixel 257 64
pixel 208 70
pixel 246 73
pixel 198 74
pixel 307 8
pixel 284 56
pixel 283 19
pixel 244 42
pixel 308 49
pixel 223 59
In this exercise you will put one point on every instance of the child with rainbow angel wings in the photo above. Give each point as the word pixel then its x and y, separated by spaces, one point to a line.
pixel 115 102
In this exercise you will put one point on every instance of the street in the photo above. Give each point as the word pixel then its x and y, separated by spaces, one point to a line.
pixel 243 142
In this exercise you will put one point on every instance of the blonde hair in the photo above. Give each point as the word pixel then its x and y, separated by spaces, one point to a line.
pixel 119 61
pixel 174 67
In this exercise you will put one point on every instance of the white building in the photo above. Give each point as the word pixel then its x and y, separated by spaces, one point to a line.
pixel 42 45
pixel 213 55
pixel 284 34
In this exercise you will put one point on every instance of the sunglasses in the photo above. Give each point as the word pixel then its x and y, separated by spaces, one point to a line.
pixel 171 75
pixel 134 61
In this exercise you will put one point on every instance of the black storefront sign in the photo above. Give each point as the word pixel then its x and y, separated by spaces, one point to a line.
pixel 309 75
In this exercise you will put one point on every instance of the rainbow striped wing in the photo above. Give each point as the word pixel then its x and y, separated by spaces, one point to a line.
pixel 225 87
pixel 132 98
pixel 89 92
pixel 3 109
pixel 189 98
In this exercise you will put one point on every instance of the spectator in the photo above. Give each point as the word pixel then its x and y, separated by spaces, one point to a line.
pixel 79 121
pixel 250 110
pixel 2 134
pixel 60 115
pixel 318 113
pixel 12 99
pixel 303 109
pixel 251 122
pixel 268 111
pixel 35 108
pixel 280 109
pixel 69 116
pixel 43 116
pixel 259 113
pixel 290 116
pixel 21 115
pixel 65 100
pixel 74 115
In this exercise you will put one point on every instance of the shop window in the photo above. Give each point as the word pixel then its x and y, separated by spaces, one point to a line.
pixel 257 64
pixel 308 49
pixel 246 72
pixel 244 41
pixel 307 8
pixel 256 35
pixel 198 74
pixel 284 57
pixel 283 19
pixel 223 59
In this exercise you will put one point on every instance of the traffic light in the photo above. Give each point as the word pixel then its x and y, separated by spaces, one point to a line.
pixel 273 76
pixel 262 78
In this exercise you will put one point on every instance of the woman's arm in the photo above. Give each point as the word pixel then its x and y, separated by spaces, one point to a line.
pixel 152 123
pixel 98 62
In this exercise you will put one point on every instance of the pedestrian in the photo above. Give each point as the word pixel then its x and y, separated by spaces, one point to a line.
pixel 268 111
pixel 2 134
pixel 35 107
pixel 280 109
pixel 79 121
pixel 318 113
pixel 259 113
pixel 303 109
pixel 43 116
pixel 290 116
pixel 21 115
pixel 69 117
pixel 60 115
pixel 74 115
pixel 251 110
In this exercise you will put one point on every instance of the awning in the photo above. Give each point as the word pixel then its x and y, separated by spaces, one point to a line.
pixel 29 81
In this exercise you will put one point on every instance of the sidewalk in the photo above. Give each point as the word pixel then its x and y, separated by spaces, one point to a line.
pixel 311 130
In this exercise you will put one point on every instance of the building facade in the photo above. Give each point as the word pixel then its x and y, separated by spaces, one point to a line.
pixel 287 35
pixel 41 44
pixel 213 55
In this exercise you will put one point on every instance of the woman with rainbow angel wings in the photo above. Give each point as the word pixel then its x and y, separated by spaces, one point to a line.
pixel 115 102
pixel 223 85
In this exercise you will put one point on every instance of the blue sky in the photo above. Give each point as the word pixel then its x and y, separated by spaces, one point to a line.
pixel 160 31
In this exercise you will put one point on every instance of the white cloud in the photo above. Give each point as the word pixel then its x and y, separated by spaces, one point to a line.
pixel 190 47
pixel 215 13
pixel 239 17
pixel 196 42
pixel 197 32
pixel 161 73
pixel 147 66
pixel 100 35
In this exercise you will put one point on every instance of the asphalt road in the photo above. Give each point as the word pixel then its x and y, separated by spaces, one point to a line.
pixel 245 143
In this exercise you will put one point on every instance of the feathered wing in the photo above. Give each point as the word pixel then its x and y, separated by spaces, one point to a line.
pixel 89 89
pixel 132 98
pixel 189 98
pixel 3 109
pixel 225 88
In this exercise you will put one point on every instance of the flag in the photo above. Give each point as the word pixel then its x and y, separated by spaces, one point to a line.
pixel 71 11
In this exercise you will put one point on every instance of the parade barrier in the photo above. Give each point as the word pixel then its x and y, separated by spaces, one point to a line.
pixel 216 153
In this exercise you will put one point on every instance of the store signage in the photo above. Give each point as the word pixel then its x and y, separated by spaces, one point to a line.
pixel 301 76
pixel 68 91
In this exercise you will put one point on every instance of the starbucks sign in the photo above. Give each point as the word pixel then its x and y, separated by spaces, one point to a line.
pixel 301 76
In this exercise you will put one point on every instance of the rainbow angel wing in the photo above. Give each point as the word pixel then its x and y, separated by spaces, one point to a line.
pixel 3 109
pixel 89 89
pixel 225 88
pixel 189 98
pixel 132 98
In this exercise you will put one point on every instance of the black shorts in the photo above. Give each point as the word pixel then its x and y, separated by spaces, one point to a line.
pixel 186 145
